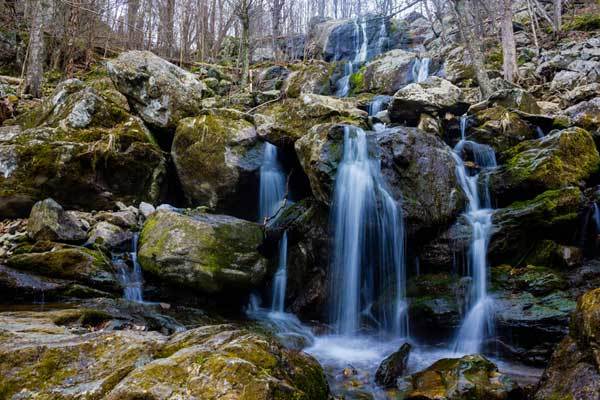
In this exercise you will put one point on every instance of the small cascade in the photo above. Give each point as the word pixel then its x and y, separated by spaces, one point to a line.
pixel 343 84
pixel 361 55
pixel 382 36
pixel 596 216
pixel 368 253
pixel 272 183
pixel 280 278
pixel 421 69
pixel 539 132
pixel 132 279
pixel 478 323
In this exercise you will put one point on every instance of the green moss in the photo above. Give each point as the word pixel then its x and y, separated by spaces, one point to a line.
pixel 357 81
pixel 583 22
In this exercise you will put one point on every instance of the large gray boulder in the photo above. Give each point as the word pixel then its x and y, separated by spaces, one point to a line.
pixel 418 169
pixel 48 221
pixel 160 92
pixel 206 253
pixel 217 156
pixel 389 72
pixel 586 114
pixel 433 96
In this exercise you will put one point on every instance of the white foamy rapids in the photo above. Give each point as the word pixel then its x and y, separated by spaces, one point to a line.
pixel 421 69
pixel 132 280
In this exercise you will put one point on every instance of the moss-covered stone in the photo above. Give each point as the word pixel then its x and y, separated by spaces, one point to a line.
pixel 83 150
pixel 80 264
pixel 217 156
pixel 470 377
pixel 284 122
pixel 311 77
pixel 204 252
pixel 500 128
pixel 564 158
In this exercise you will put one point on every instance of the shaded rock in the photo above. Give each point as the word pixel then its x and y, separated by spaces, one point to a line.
pixel 419 169
pixel 82 149
pixel 393 367
pixel 54 260
pixel 389 72
pixel 511 98
pixel 217 157
pixel 434 96
pixel 557 160
pixel 555 255
pixel 307 225
pixel 574 370
pixel 203 252
pixel 48 221
pixel 284 122
pixel 458 67
pixel 146 209
pixel 473 377
pixel 160 92
pixel 547 216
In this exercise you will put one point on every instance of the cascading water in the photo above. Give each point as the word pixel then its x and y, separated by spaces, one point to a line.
pixel 360 56
pixel 368 253
pixel 421 69
pixel 132 280
pixel 280 278
pixel 478 323
pixel 272 183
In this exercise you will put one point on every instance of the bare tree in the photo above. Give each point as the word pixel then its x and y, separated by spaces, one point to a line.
pixel 35 60
pixel 472 43
pixel 557 15
pixel 509 47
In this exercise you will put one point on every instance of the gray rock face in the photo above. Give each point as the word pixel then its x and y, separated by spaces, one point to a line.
pixel 434 96
pixel 586 114
pixel 159 91
pixel 417 167
pixel 217 156
pixel 389 72
pixel 338 40
pixel 203 252
pixel 48 221
pixel 108 235
pixel 393 367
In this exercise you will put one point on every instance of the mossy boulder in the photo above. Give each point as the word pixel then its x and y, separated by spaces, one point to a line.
pixel 218 156
pixel 435 96
pixel 284 122
pixel 228 363
pixel 54 260
pixel 48 221
pixel 547 216
pixel 160 92
pixel 470 377
pixel 204 252
pixel 389 72
pixel 514 98
pixel 500 128
pixel 555 255
pixel 564 158
pixel 574 370
pixel 310 77
pixel 81 149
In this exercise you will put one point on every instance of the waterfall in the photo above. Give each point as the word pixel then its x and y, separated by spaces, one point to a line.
pixel 361 42
pixel 368 249
pixel 132 281
pixel 343 84
pixel 421 69
pixel 361 54
pixel 596 216
pixel 280 278
pixel 478 323
pixel 539 132
pixel 272 183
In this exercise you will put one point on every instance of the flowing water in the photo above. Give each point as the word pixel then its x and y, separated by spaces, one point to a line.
pixel 368 251
pixel 421 69
pixel 280 278
pixel 478 323
pixel 272 183
pixel 131 278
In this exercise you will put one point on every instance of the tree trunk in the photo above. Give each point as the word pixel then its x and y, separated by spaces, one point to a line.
pixel 473 44
pixel 557 15
pixel 132 16
pixel 276 8
pixel 245 45
pixel 509 48
pixel 71 36
pixel 35 60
